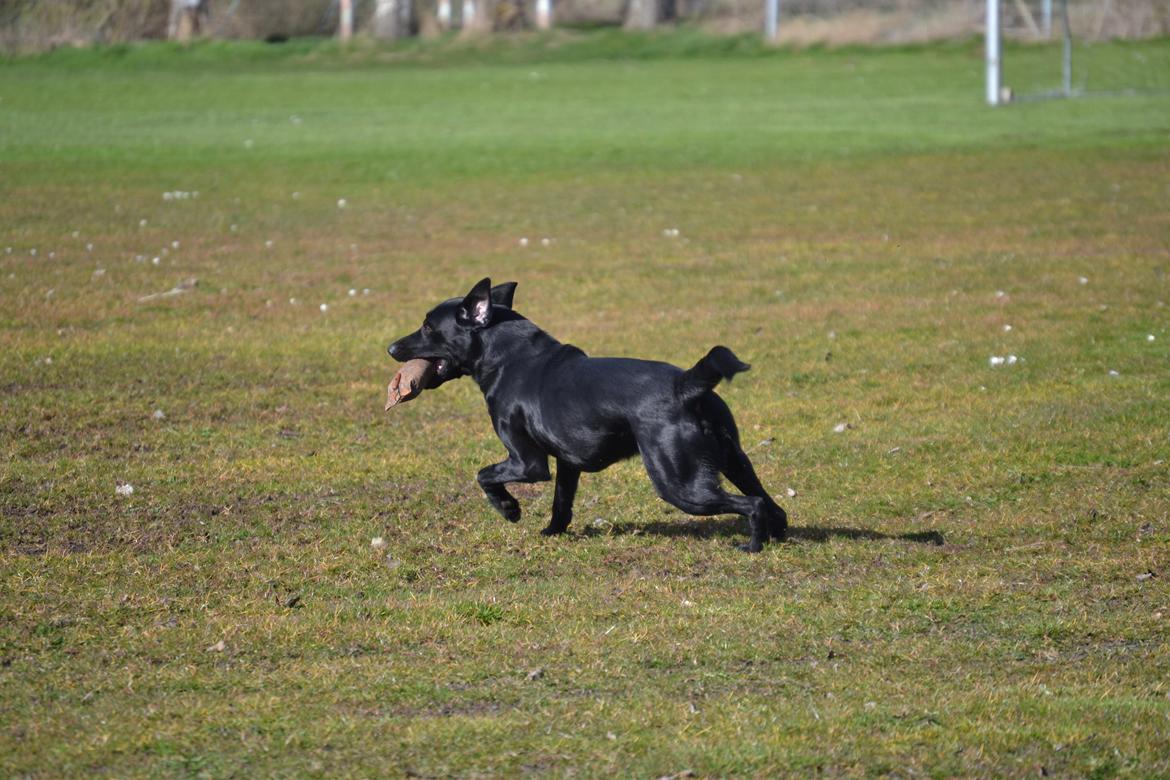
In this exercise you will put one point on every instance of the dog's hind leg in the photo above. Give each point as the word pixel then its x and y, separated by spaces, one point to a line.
pixel 692 485
pixel 566 491
pixel 737 466
pixel 738 470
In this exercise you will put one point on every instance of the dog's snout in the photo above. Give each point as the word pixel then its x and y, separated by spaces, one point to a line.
pixel 391 350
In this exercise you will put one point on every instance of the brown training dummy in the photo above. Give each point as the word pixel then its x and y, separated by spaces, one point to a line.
pixel 412 377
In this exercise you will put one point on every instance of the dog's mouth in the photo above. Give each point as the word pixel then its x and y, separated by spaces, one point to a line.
pixel 441 367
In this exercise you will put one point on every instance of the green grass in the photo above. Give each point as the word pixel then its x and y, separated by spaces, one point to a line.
pixel 966 593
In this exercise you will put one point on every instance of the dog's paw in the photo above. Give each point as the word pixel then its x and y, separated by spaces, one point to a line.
pixel 510 509
pixel 778 525
pixel 751 547
pixel 551 530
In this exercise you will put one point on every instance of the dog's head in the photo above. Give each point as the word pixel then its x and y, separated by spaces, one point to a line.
pixel 449 334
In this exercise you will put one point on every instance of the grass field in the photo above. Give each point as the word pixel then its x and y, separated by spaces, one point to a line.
pixel 977 580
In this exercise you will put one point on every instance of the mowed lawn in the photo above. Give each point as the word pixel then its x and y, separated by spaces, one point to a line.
pixel 976 583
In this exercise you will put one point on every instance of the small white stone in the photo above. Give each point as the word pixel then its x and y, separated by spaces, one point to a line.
pixel 268 244
pixel 1150 337
pixel 365 291
pixel 324 307
pixel 89 247
pixel 155 260
pixel 174 245
pixel 1083 279
pixel 341 203
pixel 352 292
pixel 296 196
pixel 790 492
pixel 77 234
pixel 378 543
pixel 142 223
pixel 158 415
pixel 1011 360
pixel 1000 294
pixel 1113 372
pixel 841 427
pixel 292 301
pixel 32 252
pixel 545 241
pixel 234 228
pixel 1007 328
pixel 98 273
pixel 523 241
pixel 124 489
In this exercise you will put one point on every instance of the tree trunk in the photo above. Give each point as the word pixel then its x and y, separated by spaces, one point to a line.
pixel 187 19
pixel 648 14
pixel 544 14
pixel 392 19
pixel 443 15
pixel 473 17
pixel 345 21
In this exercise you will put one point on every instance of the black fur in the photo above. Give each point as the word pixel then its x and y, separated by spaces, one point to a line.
pixel 546 399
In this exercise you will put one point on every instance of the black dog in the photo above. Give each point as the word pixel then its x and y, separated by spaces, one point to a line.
pixel 548 398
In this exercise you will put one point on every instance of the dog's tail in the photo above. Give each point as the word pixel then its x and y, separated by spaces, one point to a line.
pixel 719 364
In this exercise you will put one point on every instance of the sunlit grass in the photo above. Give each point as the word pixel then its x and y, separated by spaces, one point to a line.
pixel 976 584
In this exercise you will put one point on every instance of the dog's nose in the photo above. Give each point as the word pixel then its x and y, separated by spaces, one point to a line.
pixel 390 350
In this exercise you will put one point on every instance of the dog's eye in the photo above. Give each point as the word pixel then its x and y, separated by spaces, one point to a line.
pixel 426 329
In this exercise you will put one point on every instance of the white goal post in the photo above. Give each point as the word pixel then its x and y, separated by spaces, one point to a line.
pixel 992 54
pixel 997 91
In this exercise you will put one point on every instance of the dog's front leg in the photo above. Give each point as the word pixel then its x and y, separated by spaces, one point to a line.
pixel 566 491
pixel 493 478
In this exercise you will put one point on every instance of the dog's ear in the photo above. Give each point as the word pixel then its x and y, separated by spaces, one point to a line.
pixel 502 294
pixel 476 309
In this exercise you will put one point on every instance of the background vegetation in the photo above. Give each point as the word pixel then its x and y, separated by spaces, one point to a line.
pixel 38 25
pixel 977 579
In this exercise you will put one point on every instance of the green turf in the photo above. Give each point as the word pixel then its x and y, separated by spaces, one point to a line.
pixel 968 591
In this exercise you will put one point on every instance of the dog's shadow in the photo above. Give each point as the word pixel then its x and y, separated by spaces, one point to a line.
pixel 706 528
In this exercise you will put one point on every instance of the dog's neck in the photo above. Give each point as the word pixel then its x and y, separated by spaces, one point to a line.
pixel 508 344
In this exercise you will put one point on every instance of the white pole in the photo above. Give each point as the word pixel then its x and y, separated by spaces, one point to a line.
pixel 544 14
pixel 992 35
pixel 345 32
pixel 1046 18
pixel 1066 58
pixel 444 14
pixel 468 20
pixel 771 19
